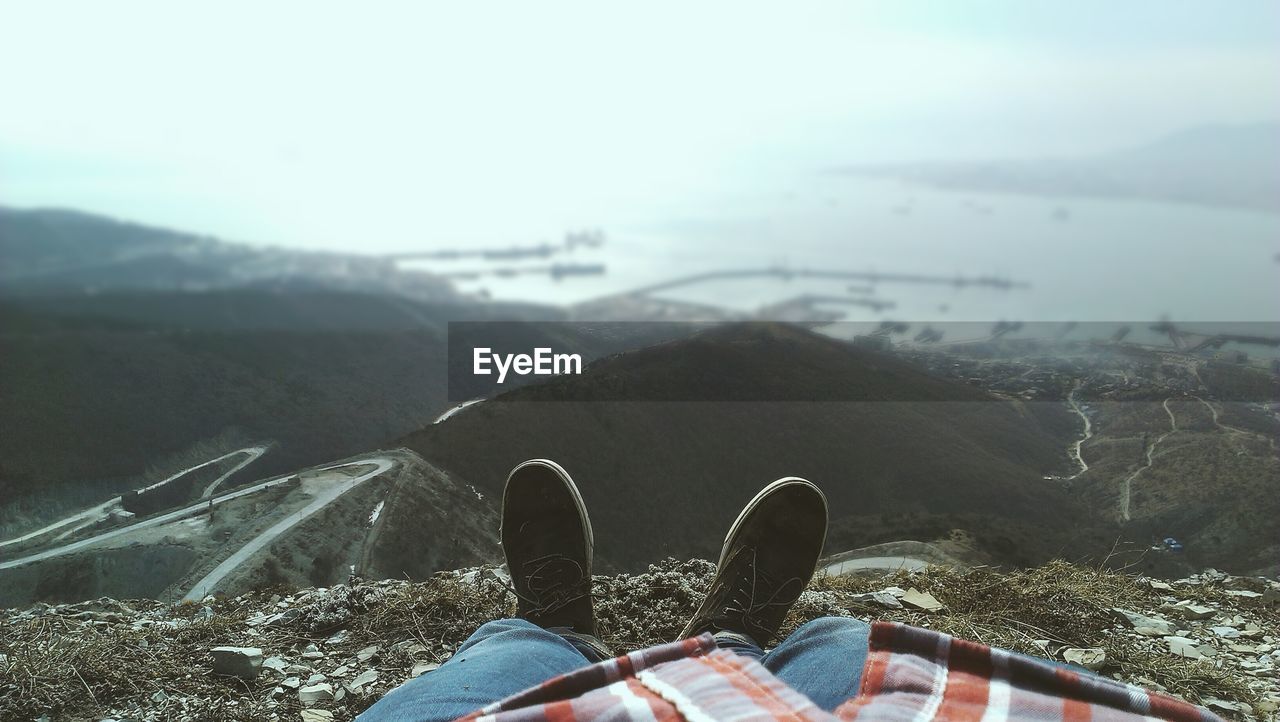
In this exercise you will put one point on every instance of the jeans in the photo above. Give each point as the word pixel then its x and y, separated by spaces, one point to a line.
pixel 822 660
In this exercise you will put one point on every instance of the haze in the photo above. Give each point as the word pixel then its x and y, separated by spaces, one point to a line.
pixel 405 125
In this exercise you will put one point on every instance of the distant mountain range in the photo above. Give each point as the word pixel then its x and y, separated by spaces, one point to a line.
pixel 51 251
pixel 1220 165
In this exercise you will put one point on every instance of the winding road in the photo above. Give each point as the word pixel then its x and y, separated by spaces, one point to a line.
pixel 449 414
pixel 381 464
pixel 1088 432
pixel 253 451
pixel 94 514
pixel 1127 484
pixel 202 588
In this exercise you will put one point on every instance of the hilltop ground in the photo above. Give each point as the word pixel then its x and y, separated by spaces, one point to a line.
pixel 1210 638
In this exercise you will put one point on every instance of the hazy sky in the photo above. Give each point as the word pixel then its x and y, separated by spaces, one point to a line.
pixel 388 125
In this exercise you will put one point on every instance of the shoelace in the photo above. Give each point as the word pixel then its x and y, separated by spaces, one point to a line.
pixel 742 605
pixel 553 581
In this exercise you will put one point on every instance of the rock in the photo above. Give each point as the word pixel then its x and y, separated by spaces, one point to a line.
pixel 1214 702
pixel 317 678
pixel 313 655
pixel 1159 586
pixel 882 599
pixel 1141 621
pixel 275 664
pixel 243 662
pixel 1092 658
pixel 1243 593
pixel 921 600
pixel 366 677
pixel 283 619
pixel 315 693
pixel 422 668
pixel 340 671
pixel 1190 648
pixel 1189 610
pixel 338 638
pixel 317 715
pixel 291 683
pixel 367 653
pixel 1226 632
pixel 1154 632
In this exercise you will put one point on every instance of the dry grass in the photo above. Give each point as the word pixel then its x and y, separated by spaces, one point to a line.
pixel 70 668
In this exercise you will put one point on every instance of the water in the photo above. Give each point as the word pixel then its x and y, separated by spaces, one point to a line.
pixel 1104 261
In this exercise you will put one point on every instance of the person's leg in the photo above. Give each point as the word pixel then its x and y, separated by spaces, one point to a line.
pixel 502 658
pixel 823 659
pixel 547 542
pixel 742 645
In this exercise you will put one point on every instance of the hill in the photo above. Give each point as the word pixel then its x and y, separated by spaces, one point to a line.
pixel 1224 165
pixel 60 251
pixel 669 441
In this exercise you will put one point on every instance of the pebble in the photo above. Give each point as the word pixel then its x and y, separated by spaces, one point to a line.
pixel 1142 621
pixel 243 662
pixel 883 599
pixel 1092 658
pixel 315 693
pixel 366 677
pixel 921 600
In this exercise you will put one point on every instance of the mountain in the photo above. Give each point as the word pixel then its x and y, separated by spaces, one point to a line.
pixel 46 251
pixel 97 388
pixel 1219 165
pixel 668 442
pixel 129 349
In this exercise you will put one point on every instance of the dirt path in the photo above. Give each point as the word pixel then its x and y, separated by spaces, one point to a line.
pixel 199 507
pixel 449 414
pixel 1127 484
pixel 253 451
pixel 210 581
pixel 93 515
pixel 1088 432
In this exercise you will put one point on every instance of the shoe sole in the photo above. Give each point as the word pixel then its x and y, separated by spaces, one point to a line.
pixel 573 492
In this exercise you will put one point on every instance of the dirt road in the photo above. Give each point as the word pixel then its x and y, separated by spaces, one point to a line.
pixel 210 581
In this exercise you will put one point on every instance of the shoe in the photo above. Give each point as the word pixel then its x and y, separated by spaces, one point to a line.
pixel 547 539
pixel 768 558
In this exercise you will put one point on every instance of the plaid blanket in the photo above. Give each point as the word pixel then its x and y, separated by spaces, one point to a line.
pixel 911 675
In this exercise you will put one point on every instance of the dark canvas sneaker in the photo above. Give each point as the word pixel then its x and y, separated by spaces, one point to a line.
pixel 768 558
pixel 547 539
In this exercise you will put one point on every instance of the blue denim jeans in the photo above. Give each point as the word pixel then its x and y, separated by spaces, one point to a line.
pixel 822 660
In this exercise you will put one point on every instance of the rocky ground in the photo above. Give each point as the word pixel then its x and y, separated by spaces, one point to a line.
pixel 327 654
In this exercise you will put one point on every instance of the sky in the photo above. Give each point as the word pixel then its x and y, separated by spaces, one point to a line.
pixel 399 125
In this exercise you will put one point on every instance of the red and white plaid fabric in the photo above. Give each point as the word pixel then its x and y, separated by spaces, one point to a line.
pixel 911 674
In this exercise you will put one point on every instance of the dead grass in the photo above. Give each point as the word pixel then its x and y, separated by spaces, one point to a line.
pixel 72 668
